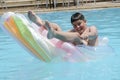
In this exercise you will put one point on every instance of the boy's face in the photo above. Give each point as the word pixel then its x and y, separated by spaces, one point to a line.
pixel 79 25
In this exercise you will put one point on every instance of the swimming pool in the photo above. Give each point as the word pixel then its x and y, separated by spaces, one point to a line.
pixel 17 64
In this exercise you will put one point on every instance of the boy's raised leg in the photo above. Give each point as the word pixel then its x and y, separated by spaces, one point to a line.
pixel 34 18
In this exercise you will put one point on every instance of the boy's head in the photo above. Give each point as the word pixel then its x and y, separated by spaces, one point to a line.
pixel 78 21
pixel 77 16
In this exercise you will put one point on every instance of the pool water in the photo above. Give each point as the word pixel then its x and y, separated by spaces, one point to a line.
pixel 17 64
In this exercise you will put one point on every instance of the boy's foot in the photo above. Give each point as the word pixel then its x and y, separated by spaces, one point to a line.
pixel 50 33
pixel 34 18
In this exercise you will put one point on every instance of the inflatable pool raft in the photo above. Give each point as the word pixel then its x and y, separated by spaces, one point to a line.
pixel 33 39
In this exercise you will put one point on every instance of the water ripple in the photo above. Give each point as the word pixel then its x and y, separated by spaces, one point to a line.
pixel 17 64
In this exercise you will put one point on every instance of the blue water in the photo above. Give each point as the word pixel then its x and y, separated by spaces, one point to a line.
pixel 17 64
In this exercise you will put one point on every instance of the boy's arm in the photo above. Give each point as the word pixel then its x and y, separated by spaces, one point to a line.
pixel 90 34
pixel 93 33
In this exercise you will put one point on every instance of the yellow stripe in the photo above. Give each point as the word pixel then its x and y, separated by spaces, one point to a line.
pixel 26 34
pixel 11 27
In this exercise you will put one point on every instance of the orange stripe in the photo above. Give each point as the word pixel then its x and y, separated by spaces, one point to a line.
pixel 19 21
pixel 11 27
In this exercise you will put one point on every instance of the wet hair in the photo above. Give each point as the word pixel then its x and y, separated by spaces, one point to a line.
pixel 77 16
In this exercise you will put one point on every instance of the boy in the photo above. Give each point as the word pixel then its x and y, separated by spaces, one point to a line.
pixel 80 34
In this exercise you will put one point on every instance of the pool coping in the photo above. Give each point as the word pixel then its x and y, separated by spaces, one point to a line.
pixel 87 6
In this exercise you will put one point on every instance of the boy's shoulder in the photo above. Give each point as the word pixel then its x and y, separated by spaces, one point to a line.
pixel 92 27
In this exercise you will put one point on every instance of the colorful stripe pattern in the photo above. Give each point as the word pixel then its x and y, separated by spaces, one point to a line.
pixel 17 27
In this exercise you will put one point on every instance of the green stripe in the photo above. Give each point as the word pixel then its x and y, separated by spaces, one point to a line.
pixel 29 38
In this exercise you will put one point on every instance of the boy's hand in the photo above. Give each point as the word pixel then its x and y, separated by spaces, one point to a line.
pixel 84 36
